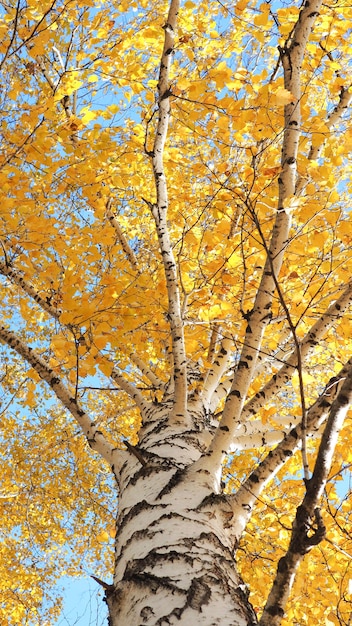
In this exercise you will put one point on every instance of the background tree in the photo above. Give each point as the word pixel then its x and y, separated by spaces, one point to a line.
pixel 176 302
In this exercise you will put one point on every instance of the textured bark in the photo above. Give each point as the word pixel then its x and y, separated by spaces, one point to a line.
pixel 177 533
pixel 176 540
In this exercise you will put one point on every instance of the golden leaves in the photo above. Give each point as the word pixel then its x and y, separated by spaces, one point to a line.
pixel 79 134
pixel 283 96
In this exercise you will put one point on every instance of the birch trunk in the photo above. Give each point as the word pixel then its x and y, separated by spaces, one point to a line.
pixel 176 537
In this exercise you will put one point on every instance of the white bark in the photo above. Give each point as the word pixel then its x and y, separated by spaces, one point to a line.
pixel 291 58
pixel 159 211
pixel 175 543
pixel 121 237
pixel 216 372
pixel 155 381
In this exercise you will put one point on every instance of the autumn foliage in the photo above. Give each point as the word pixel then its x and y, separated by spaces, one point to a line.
pixel 84 285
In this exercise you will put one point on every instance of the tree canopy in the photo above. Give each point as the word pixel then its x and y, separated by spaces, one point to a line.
pixel 174 219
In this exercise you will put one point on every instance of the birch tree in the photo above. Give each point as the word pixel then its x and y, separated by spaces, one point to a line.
pixel 176 309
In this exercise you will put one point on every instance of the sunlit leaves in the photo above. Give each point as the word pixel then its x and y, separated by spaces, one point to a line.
pixel 78 113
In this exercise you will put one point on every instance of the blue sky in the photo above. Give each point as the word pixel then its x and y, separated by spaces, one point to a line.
pixel 83 603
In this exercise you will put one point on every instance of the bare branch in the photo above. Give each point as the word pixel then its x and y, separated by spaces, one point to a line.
pixel 13 35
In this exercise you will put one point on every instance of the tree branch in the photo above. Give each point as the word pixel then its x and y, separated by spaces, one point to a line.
pixel 95 437
pixel 259 317
pixel 308 528
pixel 216 372
pixel 246 496
pixel 7 270
pixel 130 389
pixel 160 209
pixel 315 151
pixel 121 237
pixel 120 381
pixel 147 372
pixel 334 312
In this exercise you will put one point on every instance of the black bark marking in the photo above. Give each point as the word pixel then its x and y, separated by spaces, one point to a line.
pixel 343 400
pixel 275 610
pixel 153 558
pixel 173 482
pixel 198 594
pixel 282 565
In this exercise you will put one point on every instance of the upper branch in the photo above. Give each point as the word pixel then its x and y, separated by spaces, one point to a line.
pixel 160 209
pixel 344 102
pixel 215 373
pixel 130 389
pixel 291 57
pixel 147 372
pixel 7 270
pixel 121 237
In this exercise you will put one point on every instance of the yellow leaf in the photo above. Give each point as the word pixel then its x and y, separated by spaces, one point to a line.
pixel 87 115
pixel 283 97
pixel 106 368
pixel 262 18
pixel 103 537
